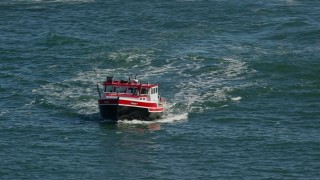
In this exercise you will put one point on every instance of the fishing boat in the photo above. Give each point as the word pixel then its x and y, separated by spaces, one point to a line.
pixel 129 99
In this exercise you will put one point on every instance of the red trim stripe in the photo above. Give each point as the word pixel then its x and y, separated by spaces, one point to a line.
pixel 151 106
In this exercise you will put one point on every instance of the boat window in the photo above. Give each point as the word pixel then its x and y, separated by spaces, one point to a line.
pixel 144 91
pixel 132 90
pixel 121 89
pixel 108 89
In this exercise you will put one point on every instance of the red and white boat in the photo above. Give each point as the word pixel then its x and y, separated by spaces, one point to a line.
pixel 130 99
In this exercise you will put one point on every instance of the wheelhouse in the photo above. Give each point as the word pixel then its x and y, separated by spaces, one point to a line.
pixel 130 89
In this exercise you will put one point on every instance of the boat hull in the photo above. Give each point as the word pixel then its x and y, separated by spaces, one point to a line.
pixel 112 110
pixel 121 112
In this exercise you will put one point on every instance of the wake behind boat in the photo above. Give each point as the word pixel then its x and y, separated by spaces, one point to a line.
pixel 130 99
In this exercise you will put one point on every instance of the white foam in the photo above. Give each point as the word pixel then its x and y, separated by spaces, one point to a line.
pixel 211 86
pixel 166 119
pixel 235 68
pixel 173 118
pixel 236 98
pixel 134 122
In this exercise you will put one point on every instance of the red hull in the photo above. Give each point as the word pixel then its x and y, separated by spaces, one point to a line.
pixel 124 109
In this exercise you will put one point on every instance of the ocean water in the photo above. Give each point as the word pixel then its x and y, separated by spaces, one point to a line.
pixel 242 81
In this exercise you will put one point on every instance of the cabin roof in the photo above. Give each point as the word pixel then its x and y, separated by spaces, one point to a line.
pixel 129 84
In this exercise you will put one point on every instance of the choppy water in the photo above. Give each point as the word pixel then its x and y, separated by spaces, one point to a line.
pixel 241 78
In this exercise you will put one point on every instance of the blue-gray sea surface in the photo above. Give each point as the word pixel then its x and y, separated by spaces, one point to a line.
pixel 241 77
